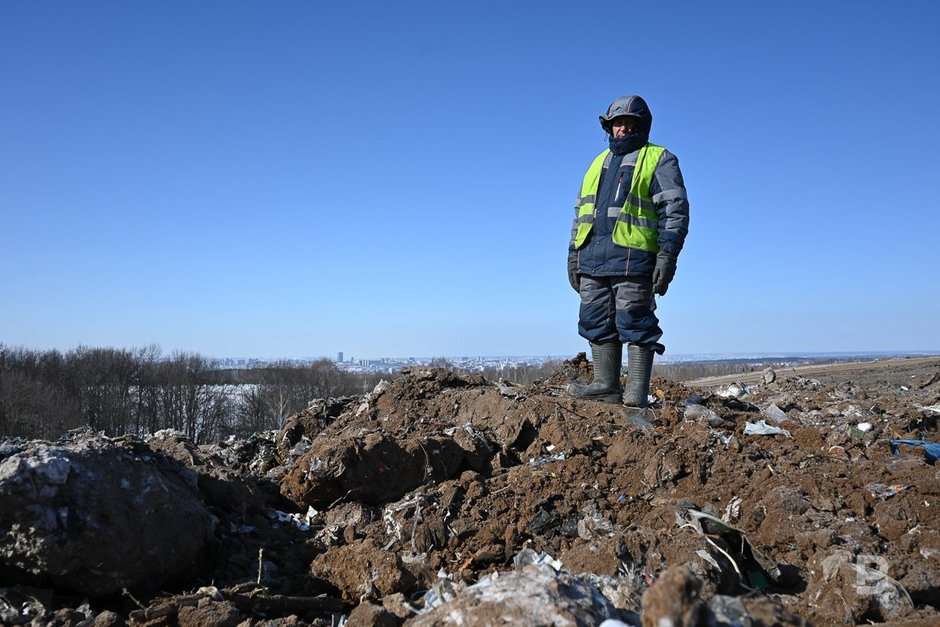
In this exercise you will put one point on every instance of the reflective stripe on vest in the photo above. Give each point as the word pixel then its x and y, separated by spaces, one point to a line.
pixel 637 222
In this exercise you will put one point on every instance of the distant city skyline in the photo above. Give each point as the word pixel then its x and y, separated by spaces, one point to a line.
pixel 387 360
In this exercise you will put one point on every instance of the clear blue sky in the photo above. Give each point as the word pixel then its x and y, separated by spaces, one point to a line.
pixel 290 178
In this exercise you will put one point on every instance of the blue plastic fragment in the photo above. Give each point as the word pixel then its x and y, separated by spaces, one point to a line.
pixel 931 449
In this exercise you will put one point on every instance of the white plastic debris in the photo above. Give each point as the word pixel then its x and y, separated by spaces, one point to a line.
pixel 534 462
pixel 724 439
pixel 706 556
pixel 300 448
pixel 864 427
pixel 735 390
pixel 380 387
pixel 733 510
pixel 762 428
pixel 441 591
pixel 528 556
pixel 700 413
pixel 773 413
pixel 301 521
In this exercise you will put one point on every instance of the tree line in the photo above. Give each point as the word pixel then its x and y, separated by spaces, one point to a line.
pixel 45 394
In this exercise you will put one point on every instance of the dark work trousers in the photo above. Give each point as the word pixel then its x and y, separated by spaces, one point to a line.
pixel 619 308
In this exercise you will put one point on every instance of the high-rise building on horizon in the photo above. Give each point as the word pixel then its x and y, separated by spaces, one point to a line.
pixel 339 357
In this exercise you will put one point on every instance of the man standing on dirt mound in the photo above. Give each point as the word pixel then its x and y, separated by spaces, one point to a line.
pixel 631 219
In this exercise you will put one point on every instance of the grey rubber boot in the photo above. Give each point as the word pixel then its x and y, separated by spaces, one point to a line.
pixel 607 366
pixel 639 371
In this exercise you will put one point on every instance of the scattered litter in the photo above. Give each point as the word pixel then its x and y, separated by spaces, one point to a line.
pixel 695 399
pixel 510 389
pixel 864 427
pixel 752 566
pixel 528 556
pixel 882 491
pixel 773 413
pixel 931 449
pixel 730 610
pixel 700 413
pixel 535 462
pixel 853 412
pixel 300 448
pixel 705 555
pixel 838 451
pixel 380 387
pixel 724 439
pixel 637 420
pixel 593 525
pixel 762 428
pixel 735 390
pixel 441 591
pixel 732 510
pixel 931 408
pixel 301 521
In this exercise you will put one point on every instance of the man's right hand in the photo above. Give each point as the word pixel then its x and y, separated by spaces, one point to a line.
pixel 573 277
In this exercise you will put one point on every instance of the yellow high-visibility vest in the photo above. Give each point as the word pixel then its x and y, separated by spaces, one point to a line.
pixel 637 223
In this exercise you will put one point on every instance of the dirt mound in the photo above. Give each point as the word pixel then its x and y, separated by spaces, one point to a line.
pixel 442 498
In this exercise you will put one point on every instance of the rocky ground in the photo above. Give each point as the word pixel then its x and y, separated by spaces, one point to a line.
pixel 444 499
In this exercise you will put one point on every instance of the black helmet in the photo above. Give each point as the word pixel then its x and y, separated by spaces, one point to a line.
pixel 634 106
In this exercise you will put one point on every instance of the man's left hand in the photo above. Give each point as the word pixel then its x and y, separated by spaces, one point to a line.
pixel 663 272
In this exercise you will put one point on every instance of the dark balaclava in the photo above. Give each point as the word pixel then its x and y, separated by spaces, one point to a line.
pixel 633 106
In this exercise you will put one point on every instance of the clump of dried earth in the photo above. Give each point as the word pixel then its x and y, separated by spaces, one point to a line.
pixel 448 499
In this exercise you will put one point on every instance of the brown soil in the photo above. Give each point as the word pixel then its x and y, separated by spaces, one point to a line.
pixel 442 474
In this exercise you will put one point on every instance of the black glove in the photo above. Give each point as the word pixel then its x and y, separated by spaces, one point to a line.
pixel 663 272
pixel 573 277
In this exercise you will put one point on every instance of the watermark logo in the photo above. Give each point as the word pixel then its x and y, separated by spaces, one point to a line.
pixel 871 575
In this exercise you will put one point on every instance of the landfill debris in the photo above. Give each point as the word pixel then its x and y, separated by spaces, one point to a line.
pixel 722 437
pixel 637 420
pixel 864 427
pixel 55 499
pixel 441 591
pixel 535 595
pixel 762 428
pixel 754 568
pixel 695 399
pixel 774 414
pixel 422 489
pixel 732 510
pixel 734 390
pixel 701 413
pixel 535 462
pixel 882 491
pixel 301 521
pixel 935 408
pixel 769 375
pixel 528 556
